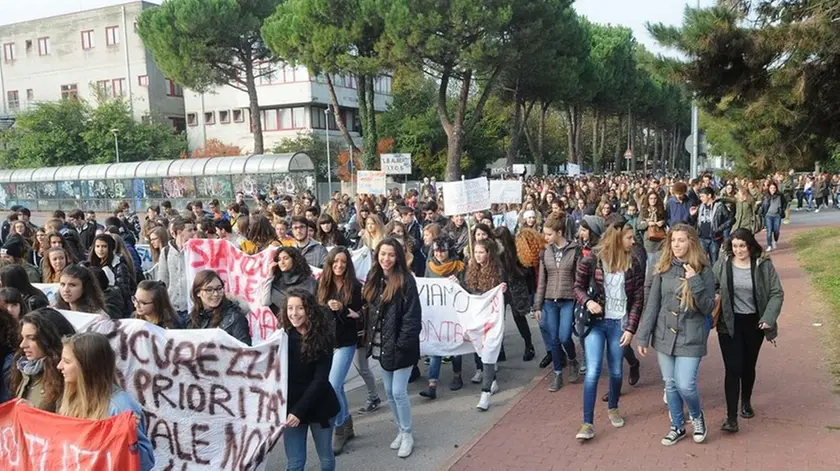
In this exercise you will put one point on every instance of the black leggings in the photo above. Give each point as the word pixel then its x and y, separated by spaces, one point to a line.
pixel 740 355
pixel 524 330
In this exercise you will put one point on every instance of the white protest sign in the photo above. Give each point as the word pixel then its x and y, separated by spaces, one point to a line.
pixel 210 401
pixel 465 196
pixel 506 191
pixel 145 253
pixel 456 322
pixel 361 263
pixel 573 169
pixel 370 182
pixel 245 277
pixel 518 169
pixel 395 164
pixel 50 290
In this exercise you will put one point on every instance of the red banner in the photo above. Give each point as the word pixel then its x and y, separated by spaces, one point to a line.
pixel 34 440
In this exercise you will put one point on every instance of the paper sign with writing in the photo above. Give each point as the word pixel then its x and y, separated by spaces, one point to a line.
pixel 210 401
pixel 506 191
pixel 395 164
pixel 465 196
pixel 245 277
pixel 573 169
pixel 370 182
pixel 145 254
pixel 456 322
pixel 34 440
pixel 50 290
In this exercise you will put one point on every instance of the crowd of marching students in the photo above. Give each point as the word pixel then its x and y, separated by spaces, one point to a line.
pixel 613 259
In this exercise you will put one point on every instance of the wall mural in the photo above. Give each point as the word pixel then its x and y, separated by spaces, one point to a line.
pixel 178 187
pixel 47 190
pixel 70 189
pixel 214 187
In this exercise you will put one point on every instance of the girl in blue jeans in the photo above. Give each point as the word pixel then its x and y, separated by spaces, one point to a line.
pixel 681 300
pixel 312 402
pixel 341 292
pixel 610 283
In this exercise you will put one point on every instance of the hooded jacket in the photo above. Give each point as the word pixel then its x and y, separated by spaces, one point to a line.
pixel 767 293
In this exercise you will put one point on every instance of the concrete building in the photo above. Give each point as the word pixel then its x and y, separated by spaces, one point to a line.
pixel 79 53
pixel 292 102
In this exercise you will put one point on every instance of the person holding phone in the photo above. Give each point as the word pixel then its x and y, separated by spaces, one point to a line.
pixel 675 323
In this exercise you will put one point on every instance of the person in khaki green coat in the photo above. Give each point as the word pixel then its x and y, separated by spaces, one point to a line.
pixel 751 298
pixel 35 377
pixel 744 210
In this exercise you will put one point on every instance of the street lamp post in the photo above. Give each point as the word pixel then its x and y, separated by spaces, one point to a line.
pixel 116 133
pixel 329 164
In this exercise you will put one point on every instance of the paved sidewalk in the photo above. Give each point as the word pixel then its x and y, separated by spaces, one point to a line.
pixel 797 423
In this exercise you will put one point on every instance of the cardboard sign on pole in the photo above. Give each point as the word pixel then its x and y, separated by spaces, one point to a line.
pixel 370 182
pixel 395 164
pixel 465 196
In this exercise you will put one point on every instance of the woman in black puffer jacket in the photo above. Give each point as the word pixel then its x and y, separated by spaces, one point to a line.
pixel 212 309
pixel 394 331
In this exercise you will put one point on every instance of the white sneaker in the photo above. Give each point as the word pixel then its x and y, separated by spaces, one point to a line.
pixel 769 248
pixel 484 401
pixel 407 445
pixel 397 443
pixel 477 377
pixel 817 210
pixel 494 388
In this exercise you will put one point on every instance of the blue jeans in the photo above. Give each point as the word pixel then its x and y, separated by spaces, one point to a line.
pixel 604 333
pixel 434 366
pixel 342 359
pixel 711 246
pixel 680 376
pixel 556 328
pixel 396 390
pixel 773 225
pixel 294 441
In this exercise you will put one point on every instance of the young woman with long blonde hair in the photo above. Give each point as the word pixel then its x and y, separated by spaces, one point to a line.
pixel 88 364
pixel 615 305
pixel 676 324
pixel 373 233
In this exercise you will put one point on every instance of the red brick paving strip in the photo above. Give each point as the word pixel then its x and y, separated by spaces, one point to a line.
pixel 795 411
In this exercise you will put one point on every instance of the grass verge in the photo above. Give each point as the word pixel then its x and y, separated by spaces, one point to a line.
pixel 818 252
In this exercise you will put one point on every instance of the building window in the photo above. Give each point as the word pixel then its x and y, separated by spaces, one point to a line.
pixel 276 119
pixel 87 39
pixel 267 73
pixel 9 52
pixel 179 125
pixel 319 118
pixel 104 88
pixel 288 73
pixel 224 116
pixel 238 117
pixel 119 87
pixel 210 117
pixel 43 46
pixel 30 95
pixel 143 80
pixel 173 89
pixel 298 118
pixel 69 91
pixel 382 85
pixel 13 98
pixel 112 35
pixel 192 119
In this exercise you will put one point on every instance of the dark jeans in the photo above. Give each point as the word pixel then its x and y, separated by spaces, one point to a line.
pixel 711 246
pixel 740 355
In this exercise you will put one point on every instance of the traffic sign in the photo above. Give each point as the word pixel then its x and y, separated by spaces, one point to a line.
pixel 702 144
pixel 628 154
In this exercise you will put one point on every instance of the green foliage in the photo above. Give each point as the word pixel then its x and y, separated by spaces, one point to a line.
pixel 70 132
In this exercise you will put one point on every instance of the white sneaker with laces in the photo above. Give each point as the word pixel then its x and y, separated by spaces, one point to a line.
pixel 407 445
pixel 395 445
pixel 483 402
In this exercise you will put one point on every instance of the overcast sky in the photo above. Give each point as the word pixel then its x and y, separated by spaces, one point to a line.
pixel 632 13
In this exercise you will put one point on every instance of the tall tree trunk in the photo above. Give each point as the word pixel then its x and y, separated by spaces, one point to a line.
pixel 603 137
pixel 619 152
pixel 515 129
pixel 571 134
pixel 254 107
pixel 342 126
pixel 663 163
pixel 655 154
pixel 594 134
pixel 369 125
pixel 579 147
pixel 647 148
pixel 539 156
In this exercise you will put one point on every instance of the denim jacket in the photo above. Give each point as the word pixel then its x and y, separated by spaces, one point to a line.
pixel 122 401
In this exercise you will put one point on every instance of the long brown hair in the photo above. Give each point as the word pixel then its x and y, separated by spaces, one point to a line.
pixel 92 300
pixel 50 328
pixel 696 257
pixel 610 250
pixel 96 374
pixel 50 275
pixel 658 208
pixel 161 303
pixel 328 287
pixel 320 334
pixel 376 282
pixel 163 240
pixel 202 279
pixel 485 277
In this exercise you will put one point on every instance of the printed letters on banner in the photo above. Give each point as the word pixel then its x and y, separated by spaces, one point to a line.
pixel 370 182
pixel 245 277
pixel 456 322
pixel 210 401
pixel 35 440
pixel 395 164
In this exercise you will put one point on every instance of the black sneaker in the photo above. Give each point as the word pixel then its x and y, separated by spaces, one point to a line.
pixel 415 374
pixel 633 378
pixel 370 406
pixel 429 393
pixel 456 384
pixel 747 411
pixel 546 360
pixel 673 436
pixel 529 353
pixel 730 425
